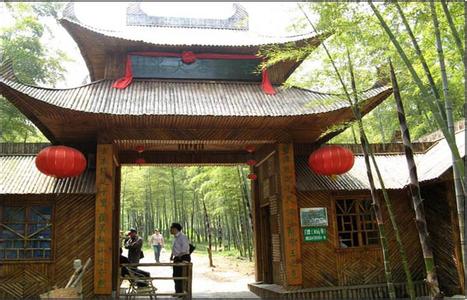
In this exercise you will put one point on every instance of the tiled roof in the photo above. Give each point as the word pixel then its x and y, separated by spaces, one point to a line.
pixel 190 98
pixel 430 165
pixel 19 175
pixel 138 17
pixel 178 36
pixel 438 134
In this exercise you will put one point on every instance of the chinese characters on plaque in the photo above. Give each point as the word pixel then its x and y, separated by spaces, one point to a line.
pixel 293 268
pixel 103 236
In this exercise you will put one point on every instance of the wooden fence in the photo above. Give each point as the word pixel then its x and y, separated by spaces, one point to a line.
pixel 143 285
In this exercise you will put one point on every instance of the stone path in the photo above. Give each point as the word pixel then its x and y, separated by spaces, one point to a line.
pixel 219 282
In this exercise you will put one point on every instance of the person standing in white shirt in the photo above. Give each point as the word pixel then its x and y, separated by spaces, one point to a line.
pixel 157 242
pixel 180 253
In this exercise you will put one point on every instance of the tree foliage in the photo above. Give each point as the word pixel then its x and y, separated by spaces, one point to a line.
pixel 24 44
pixel 354 27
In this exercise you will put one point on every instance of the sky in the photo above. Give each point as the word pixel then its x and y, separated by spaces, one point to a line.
pixel 273 18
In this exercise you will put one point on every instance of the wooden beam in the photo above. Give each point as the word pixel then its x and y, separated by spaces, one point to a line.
pixel 105 192
pixel 290 219
pixel 115 159
pixel 263 135
pixel 182 157
pixel 265 159
pixel 264 152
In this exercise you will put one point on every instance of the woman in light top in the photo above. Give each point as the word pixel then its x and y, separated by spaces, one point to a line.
pixel 157 242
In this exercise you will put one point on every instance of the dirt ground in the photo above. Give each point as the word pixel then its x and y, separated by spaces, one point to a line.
pixel 228 279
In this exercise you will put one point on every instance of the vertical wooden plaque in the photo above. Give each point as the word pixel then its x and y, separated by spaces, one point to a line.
pixel 290 220
pixel 105 180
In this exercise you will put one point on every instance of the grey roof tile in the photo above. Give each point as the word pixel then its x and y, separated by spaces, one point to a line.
pixel 19 175
pixel 430 165
pixel 189 98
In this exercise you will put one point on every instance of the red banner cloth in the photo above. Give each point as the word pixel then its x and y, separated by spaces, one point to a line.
pixel 190 57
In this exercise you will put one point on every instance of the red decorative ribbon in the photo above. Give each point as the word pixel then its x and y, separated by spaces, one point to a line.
pixel 189 57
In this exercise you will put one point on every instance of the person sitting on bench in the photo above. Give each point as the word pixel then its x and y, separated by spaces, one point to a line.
pixel 132 271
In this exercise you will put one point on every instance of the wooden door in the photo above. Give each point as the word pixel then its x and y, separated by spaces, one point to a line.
pixel 266 248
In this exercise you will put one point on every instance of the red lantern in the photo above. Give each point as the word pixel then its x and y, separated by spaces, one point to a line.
pixel 250 148
pixel 251 162
pixel 60 162
pixel 252 176
pixel 188 57
pixel 331 160
pixel 139 148
pixel 140 161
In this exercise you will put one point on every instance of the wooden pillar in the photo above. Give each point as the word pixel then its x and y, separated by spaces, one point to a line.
pixel 105 192
pixel 290 218
pixel 116 229
pixel 255 207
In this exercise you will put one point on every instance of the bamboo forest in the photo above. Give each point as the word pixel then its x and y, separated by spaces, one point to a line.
pixel 211 203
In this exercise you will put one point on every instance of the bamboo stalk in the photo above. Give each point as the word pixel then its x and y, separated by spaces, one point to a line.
pixel 436 113
pixel 354 135
pixel 374 196
pixel 387 200
pixel 455 34
pixel 464 232
pixel 460 193
pixel 421 57
pixel 208 226
pixel 176 216
pixel 420 219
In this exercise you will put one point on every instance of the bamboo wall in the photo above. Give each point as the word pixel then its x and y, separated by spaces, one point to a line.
pixel 440 209
pixel 73 237
pixel 325 264
pixel 268 191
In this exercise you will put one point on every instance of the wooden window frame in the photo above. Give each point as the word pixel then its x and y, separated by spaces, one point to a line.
pixel 360 231
pixel 28 204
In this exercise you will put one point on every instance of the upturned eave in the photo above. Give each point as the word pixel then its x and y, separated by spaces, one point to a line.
pixel 192 110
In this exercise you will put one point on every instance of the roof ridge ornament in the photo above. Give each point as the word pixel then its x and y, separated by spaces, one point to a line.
pixel 137 17
pixel 69 12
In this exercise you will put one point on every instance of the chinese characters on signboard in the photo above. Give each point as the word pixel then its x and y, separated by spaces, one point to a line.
pixel 315 234
pixel 293 267
pixel 103 234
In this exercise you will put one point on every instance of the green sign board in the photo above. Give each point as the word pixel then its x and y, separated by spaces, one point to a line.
pixel 315 234
pixel 313 217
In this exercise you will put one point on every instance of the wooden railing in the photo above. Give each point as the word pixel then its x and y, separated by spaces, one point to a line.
pixel 150 290
pixel 369 291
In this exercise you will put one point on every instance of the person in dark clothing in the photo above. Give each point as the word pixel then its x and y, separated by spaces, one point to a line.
pixel 134 244
pixel 124 260
pixel 180 253
pixel 125 271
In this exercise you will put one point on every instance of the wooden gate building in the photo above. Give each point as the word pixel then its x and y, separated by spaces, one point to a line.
pixel 190 91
